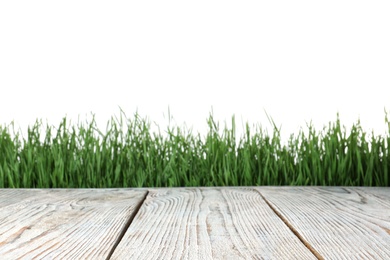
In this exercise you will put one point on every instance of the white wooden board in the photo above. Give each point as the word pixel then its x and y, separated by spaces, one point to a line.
pixel 208 223
pixel 338 222
pixel 63 224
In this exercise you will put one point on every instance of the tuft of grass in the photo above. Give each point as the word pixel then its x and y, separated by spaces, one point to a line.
pixel 128 154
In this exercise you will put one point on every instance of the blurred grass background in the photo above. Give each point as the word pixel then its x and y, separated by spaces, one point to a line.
pixel 128 154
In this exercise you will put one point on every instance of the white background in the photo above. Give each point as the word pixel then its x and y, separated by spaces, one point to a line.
pixel 297 60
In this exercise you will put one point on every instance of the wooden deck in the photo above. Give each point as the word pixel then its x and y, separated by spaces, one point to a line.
pixel 196 223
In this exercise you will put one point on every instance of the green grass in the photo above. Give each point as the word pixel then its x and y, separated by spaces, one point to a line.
pixel 128 154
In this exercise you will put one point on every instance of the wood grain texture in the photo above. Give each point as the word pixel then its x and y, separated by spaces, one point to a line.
pixel 338 222
pixel 63 224
pixel 208 223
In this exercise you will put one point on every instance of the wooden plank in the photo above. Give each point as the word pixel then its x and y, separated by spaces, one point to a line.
pixel 208 223
pixel 338 222
pixel 62 223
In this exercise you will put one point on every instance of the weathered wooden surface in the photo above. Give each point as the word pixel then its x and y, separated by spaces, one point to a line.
pixel 196 223
pixel 208 223
pixel 63 224
pixel 339 223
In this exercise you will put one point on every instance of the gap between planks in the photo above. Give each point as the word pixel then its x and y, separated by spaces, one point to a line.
pixel 127 225
pixel 290 226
